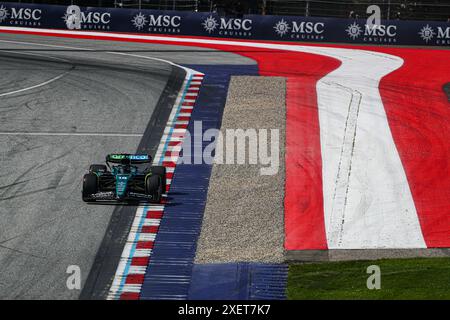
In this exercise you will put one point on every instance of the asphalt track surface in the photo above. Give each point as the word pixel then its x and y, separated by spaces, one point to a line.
pixel 64 104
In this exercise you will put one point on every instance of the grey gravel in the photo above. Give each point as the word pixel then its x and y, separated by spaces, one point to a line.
pixel 244 213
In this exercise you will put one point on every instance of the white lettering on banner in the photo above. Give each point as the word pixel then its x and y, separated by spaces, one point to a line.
pixel 308 27
pixel 165 21
pixel 373 33
pixel 300 30
pixel 381 30
pixel 75 19
pixel 157 23
pixel 229 27
pixel 21 16
pixel 26 14
pixel 235 24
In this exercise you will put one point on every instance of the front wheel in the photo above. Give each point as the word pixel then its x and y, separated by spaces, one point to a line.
pixel 153 187
pixel 90 186
pixel 160 171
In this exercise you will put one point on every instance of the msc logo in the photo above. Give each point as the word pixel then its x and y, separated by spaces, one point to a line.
pixel 440 34
pixel 75 19
pixel 3 14
pixel 300 30
pixel 229 27
pixel 157 23
pixel 373 32
pixel 21 16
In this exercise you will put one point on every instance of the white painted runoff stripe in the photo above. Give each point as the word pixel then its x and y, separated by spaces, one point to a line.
pixel 342 184
pixel 379 211
pixel 356 141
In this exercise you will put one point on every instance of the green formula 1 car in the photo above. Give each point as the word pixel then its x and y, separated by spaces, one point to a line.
pixel 130 178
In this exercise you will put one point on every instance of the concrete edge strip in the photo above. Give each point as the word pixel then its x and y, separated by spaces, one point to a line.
pixel 361 254
pixel 136 254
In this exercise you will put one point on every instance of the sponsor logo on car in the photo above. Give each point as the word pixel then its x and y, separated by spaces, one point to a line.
pixel 103 195
pixel 139 157
pixel 118 156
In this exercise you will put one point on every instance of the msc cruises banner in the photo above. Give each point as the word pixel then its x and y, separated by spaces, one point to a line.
pixel 253 27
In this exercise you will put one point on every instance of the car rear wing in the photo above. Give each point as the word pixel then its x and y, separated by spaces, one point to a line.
pixel 124 158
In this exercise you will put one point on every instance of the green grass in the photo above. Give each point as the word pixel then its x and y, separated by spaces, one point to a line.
pixel 424 278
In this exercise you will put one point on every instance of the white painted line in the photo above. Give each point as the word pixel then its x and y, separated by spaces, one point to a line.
pixel 155 208
pixel 184 115
pixel 133 288
pixel 152 222
pixel 173 159
pixel 139 253
pixel 137 270
pixel 342 183
pixel 176 148
pixel 35 86
pixel 177 131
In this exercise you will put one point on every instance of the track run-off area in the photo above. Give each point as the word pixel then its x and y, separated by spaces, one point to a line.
pixel 367 148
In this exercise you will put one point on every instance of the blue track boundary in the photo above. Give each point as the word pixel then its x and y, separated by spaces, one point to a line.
pixel 170 271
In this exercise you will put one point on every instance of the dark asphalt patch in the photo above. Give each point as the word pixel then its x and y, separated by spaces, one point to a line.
pixel 447 90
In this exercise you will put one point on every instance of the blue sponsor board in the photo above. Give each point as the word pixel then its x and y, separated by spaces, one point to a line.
pixel 252 27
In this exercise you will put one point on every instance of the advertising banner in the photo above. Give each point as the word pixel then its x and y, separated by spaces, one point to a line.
pixel 252 27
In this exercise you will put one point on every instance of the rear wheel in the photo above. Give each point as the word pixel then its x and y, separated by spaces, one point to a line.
pixel 161 172
pixel 153 187
pixel 98 168
pixel 90 186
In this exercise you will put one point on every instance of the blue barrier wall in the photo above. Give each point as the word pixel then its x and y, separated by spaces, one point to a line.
pixel 252 27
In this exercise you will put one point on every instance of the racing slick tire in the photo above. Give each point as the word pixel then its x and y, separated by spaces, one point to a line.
pixel 98 168
pixel 153 186
pixel 160 171
pixel 90 186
